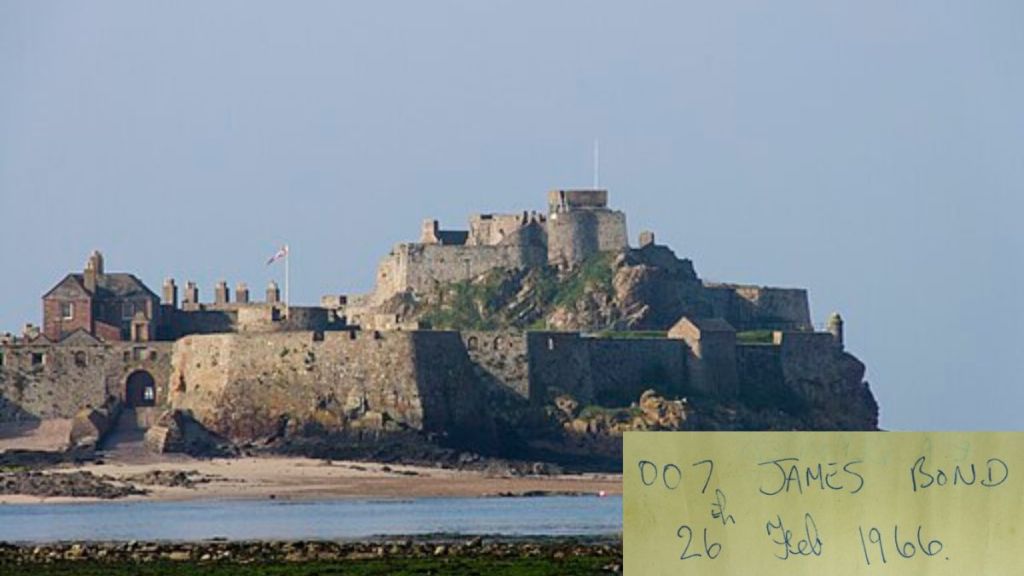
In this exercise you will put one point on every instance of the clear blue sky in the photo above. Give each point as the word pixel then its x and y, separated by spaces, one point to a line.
pixel 870 151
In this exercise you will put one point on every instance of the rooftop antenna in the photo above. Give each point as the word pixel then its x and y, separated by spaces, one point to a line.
pixel 597 164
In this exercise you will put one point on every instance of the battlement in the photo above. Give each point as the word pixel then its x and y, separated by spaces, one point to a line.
pixel 566 200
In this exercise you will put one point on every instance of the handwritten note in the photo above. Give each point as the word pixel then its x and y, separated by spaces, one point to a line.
pixel 785 503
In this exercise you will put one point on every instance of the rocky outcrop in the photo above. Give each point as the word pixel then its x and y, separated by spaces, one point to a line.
pixel 72 484
pixel 90 425
pixel 176 431
pixel 604 555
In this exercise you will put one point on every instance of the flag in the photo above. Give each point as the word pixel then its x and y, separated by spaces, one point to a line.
pixel 282 253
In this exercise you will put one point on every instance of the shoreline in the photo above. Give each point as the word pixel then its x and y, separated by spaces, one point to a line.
pixel 299 479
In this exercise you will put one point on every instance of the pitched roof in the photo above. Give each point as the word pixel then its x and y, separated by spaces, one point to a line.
pixel 709 324
pixel 80 338
pixel 108 286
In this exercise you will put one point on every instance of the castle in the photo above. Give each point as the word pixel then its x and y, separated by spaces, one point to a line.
pixel 242 367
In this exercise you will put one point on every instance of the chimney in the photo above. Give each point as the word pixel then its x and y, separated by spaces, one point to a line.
pixel 191 293
pixel 170 293
pixel 93 270
pixel 273 293
pixel 221 294
pixel 242 293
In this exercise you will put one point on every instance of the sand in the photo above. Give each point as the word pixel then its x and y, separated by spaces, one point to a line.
pixel 285 478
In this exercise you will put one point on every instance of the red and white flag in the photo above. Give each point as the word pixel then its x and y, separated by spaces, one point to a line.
pixel 282 253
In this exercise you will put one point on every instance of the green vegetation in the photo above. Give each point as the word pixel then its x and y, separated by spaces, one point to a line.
pixel 632 334
pixel 595 273
pixel 627 413
pixel 754 337
pixel 519 299
pixel 404 566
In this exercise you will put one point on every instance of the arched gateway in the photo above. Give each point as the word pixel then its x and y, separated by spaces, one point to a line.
pixel 140 389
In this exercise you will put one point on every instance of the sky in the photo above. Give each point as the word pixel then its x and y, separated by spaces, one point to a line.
pixel 869 151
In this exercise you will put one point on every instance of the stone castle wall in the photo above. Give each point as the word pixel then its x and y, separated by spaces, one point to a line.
pixel 501 358
pixel 55 381
pixel 605 371
pixel 249 386
pixel 234 317
pixel 423 267
pixel 760 307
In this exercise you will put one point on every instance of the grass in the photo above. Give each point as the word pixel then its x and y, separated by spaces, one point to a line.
pixel 632 334
pixel 484 303
pixel 754 337
pixel 571 566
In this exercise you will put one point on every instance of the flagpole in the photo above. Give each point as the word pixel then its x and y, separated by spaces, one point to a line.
pixel 287 265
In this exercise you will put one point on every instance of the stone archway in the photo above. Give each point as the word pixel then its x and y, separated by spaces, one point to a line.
pixel 140 389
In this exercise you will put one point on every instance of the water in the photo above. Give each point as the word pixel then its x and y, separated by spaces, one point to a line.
pixel 335 519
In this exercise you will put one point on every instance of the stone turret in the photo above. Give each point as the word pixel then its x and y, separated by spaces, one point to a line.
pixel 646 238
pixel 170 293
pixel 835 328
pixel 273 293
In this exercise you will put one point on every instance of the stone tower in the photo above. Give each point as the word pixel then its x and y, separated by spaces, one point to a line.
pixel 580 224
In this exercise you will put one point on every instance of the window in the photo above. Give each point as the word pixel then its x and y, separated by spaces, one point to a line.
pixel 37 358
pixel 67 310
pixel 1 359
pixel 80 359
pixel 148 394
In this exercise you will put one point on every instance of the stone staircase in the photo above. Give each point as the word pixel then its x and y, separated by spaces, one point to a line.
pixel 126 441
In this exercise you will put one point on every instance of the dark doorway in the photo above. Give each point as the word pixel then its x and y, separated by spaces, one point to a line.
pixel 140 390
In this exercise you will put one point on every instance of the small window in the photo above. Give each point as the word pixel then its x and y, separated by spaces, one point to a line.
pixel 152 355
pixel 551 343
pixel 37 358
pixel 67 310
pixel 148 394
pixel 1 359
pixel 80 359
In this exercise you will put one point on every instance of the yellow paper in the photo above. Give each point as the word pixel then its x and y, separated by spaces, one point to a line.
pixel 823 503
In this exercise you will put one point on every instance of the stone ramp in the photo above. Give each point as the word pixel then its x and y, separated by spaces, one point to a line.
pixel 126 441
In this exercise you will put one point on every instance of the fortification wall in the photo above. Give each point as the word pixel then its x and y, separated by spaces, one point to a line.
pixel 235 317
pixel 56 381
pixel 623 369
pixel 606 371
pixel 500 357
pixel 760 307
pixel 253 386
pixel 423 267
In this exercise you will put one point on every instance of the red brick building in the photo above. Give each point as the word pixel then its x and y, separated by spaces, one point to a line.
pixel 112 307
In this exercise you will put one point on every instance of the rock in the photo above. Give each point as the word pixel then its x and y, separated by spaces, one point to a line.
pixel 89 426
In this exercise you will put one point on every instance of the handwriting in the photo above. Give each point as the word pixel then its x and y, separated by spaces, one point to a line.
pixel 718 509
pixel 922 476
pixel 904 548
pixel 812 544
pixel 791 475
pixel 711 549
